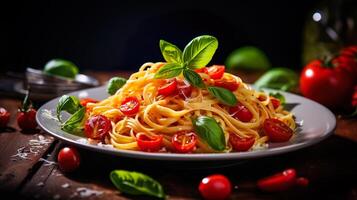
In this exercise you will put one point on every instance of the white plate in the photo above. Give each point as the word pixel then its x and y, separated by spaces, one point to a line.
pixel 317 123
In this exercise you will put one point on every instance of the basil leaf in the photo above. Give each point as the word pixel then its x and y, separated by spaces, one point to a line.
pixel 171 52
pixel 169 70
pixel 199 52
pixel 193 78
pixel 115 84
pixel 279 78
pixel 223 95
pixel 209 130
pixel 60 67
pixel 67 103
pixel 74 123
pixel 136 183
pixel 279 96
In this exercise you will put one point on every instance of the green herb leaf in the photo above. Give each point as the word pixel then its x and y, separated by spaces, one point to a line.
pixel 171 52
pixel 279 96
pixel 74 124
pixel 199 52
pixel 26 104
pixel 169 70
pixel 193 78
pixel 67 103
pixel 223 95
pixel 136 183
pixel 115 84
pixel 278 78
pixel 209 130
pixel 60 67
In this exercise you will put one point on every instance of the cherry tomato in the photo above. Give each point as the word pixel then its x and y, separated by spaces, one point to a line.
pixel 169 88
pixel 147 143
pixel 241 112
pixel 328 85
pixel 85 101
pixel 215 187
pixel 231 85
pixel 4 117
pixel 97 127
pixel 68 159
pixel 184 89
pixel 184 142
pixel 27 119
pixel 276 130
pixel 216 71
pixel 130 106
pixel 202 70
pixel 278 182
pixel 302 182
pixel 348 60
pixel 275 102
pixel 241 144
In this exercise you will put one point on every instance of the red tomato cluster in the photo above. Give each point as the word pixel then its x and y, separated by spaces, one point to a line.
pixel 331 82
pixel 4 117
pixel 175 87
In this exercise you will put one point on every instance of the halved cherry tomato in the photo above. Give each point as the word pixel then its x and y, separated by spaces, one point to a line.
pixel 184 142
pixel 241 112
pixel 147 143
pixel 216 71
pixel 85 101
pixel 68 159
pixel 202 70
pixel 278 182
pixel 275 102
pixel 231 85
pixel 169 88
pixel 215 187
pixel 97 127
pixel 276 130
pixel 4 117
pixel 241 144
pixel 130 106
pixel 302 182
pixel 184 89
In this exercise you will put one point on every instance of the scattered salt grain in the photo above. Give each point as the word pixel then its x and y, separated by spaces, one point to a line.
pixel 86 192
pixel 40 184
pixel 48 114
pixel 66 185
pixel 47 162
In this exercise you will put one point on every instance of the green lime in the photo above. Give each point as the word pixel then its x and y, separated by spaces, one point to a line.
pixel 60 67
pixel 249 58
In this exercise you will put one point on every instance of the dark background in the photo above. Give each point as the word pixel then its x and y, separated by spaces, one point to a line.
pixel 121 35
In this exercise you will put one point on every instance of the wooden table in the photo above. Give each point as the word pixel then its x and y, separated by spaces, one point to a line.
pixel 28 169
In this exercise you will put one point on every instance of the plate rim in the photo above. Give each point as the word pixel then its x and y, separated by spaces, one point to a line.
pixel 188 157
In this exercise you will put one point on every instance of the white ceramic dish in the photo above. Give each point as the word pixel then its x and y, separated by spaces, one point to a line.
pixel 316 123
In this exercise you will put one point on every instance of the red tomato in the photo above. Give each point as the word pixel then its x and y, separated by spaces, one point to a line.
pixel 215 187
pixel 202 70
pixel 302 182
pixel 184 142
pixel 231 85
pixel 216 71
pixel 27 119
pixel 4 117
pixel 130 106
pixel 68 159
pixel 97 127
pixel 184 89
pixel 276 130
pixel 85 101
pixel 275 102
pixel 348 60
pixel 330 86
pixel 241 112
pixel 278 182
pixel 169 88
pixel 147 143
pixel 241 144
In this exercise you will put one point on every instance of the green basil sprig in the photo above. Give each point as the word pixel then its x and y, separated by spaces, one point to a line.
pixel 136 183
pixel 223 95
pixel 279 96
pixel 67 103
pixel 74 124
pixel 115 84
pixel 278 78
pixel 209 130
pixel 197 54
